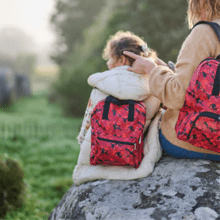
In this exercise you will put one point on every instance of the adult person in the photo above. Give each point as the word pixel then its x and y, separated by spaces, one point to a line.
pixel 170 87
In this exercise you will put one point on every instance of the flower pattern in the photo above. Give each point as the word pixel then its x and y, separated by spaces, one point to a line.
pixel 116 140
pixel 86 123
pixel 199 118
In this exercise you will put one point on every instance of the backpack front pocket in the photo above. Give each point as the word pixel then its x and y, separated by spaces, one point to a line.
pixel 115 152
pixel 205 131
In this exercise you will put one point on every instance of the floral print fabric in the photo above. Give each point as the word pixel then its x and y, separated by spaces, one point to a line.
pixel 199 118
pixel 117 139
pixel 86 123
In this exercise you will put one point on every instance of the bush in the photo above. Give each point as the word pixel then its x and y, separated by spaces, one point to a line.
pixel 73 94
pixel 87 59
pixel 11 185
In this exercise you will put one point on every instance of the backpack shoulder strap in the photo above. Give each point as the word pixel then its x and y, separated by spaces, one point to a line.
pixel 214 26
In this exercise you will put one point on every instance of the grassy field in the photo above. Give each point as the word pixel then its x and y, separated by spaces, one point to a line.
pixel 48 163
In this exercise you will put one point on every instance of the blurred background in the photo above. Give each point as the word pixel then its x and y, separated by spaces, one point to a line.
pixel 60 42
pixel 47 51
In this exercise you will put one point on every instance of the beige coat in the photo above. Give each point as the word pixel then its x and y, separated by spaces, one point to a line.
pixel 122 84
pixel 171 87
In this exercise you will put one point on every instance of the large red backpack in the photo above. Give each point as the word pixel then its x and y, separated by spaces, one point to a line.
pixel 117 132
pixel 199 119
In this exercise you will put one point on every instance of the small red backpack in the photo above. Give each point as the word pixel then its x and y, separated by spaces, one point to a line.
pixel 199 119
pixel 117 132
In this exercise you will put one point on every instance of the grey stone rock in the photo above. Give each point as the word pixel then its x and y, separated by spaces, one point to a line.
pixel 177 189
pixel 205 213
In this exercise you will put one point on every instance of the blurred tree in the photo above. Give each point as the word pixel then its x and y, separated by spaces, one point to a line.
pixel 17 62
pixel 162 24
pixel 25 63
pixel 13 43
pixel 70 18
pixel 14 40
pixel 6 60
pixel 72 84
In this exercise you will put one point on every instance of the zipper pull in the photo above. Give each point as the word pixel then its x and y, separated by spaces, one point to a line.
pixel 135 146
pixel 140 139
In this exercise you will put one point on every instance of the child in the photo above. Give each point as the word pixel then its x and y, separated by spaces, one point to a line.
pixel 124 85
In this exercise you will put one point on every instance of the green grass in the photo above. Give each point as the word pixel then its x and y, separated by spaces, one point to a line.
pixel 48 164
pixel 37 105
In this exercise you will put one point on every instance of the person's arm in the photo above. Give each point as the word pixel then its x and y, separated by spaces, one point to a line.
pixel 171 88
pixel 170 64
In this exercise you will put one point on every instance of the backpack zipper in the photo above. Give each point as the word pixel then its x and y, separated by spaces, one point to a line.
pixel 204 114
pixel 118 142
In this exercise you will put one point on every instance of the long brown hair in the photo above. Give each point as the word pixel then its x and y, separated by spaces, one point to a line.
pixel 202 10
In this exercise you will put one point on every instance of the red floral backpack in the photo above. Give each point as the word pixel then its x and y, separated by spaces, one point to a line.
pixel 199 119
pixel 117 132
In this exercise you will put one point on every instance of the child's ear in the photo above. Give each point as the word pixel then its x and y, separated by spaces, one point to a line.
pixel 124 60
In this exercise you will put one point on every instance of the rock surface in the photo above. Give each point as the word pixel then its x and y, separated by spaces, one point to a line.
pixel 177 189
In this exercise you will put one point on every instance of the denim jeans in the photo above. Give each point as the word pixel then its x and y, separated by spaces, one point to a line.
pixel 178 152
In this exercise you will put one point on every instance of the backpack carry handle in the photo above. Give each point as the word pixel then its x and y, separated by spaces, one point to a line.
pixel 110 99
pixel 216 28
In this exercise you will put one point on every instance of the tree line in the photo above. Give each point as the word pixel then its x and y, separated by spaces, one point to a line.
pixel 83 28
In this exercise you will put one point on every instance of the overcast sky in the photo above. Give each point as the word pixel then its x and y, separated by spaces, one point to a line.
pixel 32 16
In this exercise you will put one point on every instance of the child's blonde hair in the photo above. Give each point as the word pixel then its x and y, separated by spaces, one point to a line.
pixel 126 41
pixel 205 9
